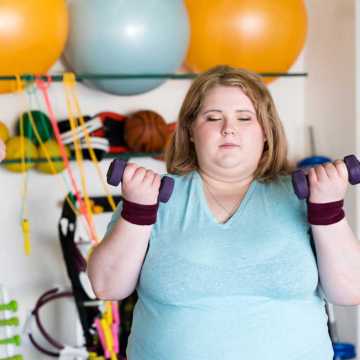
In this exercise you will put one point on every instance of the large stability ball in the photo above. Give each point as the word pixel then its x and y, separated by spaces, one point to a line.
pixel 127 37
pixel 260 35
pixel 32 36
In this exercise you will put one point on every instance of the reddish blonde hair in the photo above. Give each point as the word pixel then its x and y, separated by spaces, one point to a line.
pixel 180 155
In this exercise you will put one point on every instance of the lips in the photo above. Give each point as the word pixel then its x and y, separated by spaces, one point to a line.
pixel 229 145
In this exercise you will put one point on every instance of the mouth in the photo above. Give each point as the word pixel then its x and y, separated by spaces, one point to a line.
pixel 228 145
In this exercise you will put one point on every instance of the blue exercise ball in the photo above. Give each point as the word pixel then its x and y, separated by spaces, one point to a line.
pixel 127 37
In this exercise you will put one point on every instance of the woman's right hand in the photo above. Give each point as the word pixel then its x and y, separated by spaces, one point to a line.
pixel 140 185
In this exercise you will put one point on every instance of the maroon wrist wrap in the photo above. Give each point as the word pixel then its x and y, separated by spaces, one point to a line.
pixel 139 214
pixel 325 214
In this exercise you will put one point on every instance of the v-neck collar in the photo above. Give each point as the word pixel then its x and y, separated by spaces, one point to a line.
pixel 204 203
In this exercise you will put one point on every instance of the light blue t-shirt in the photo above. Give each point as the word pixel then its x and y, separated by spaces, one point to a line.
pixel 243 290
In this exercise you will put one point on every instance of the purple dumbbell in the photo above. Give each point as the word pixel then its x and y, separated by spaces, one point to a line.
pixel 301 183
pixel 116 171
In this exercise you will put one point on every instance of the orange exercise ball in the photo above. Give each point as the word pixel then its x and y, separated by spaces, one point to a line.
pixel 260 35
pixel 32 36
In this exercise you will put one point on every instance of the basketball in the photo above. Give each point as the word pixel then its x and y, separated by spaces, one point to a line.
pixel 146 131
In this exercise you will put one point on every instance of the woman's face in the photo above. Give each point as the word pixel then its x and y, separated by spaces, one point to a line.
pixel 227 136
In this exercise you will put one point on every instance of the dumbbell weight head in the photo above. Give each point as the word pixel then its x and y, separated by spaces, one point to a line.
pixel 301 183
pixel 166 189
pixel 116 171
pixel 353 167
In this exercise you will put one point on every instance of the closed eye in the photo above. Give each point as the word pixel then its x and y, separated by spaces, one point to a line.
pixel 218 119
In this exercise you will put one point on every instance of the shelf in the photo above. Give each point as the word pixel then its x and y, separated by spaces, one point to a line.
pixel 179 76
pixel 124 156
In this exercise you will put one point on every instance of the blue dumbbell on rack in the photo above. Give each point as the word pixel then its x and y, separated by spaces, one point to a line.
pixel 301 183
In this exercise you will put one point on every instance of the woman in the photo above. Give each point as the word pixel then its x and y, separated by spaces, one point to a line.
pixel 226 269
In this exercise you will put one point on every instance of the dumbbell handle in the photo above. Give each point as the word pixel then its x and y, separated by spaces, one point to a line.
pixel 14 340
pixel 301 183
pixel 10 306
pixel 14 321
pixel 14 357
pixel 116 171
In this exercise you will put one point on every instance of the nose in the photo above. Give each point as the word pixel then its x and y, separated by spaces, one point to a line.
pixel 228 128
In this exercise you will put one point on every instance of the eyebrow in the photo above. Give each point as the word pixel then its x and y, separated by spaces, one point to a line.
pixel 217 110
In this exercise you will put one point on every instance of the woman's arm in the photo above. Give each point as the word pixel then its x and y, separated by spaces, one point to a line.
pixel 337 248
pixel 338 257
pixel 115 264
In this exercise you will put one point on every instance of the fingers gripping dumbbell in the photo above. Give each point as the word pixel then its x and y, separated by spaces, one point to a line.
pixel 301 183
pixel 116 171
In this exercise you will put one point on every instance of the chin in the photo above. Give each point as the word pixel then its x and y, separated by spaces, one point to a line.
pixel 229 161
pixel 231 165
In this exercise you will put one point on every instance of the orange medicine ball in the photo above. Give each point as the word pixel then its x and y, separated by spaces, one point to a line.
pixel 259 35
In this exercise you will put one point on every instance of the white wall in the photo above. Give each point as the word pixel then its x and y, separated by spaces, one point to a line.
pixel 330 102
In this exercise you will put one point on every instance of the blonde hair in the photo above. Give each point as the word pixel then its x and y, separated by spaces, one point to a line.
pixel 180 155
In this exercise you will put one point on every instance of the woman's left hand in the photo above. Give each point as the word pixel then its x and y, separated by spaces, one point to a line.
pixel 2 150
pixel 328 182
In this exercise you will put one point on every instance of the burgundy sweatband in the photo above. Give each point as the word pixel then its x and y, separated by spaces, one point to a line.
pixel 326 213
pixel 139 214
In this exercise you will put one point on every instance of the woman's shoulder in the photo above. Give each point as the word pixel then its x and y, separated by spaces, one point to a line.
pixel 281 183
pixel 279 195
pixel 281 190
pixel 182 196
pixel 182 182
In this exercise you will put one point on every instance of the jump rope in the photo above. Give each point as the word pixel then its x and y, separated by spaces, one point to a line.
pixel 84 212
pixel 75 116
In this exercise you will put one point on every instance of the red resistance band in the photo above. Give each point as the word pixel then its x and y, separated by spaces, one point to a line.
pixel 326 213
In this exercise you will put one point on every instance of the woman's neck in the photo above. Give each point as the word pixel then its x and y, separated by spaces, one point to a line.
pixel 223 185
